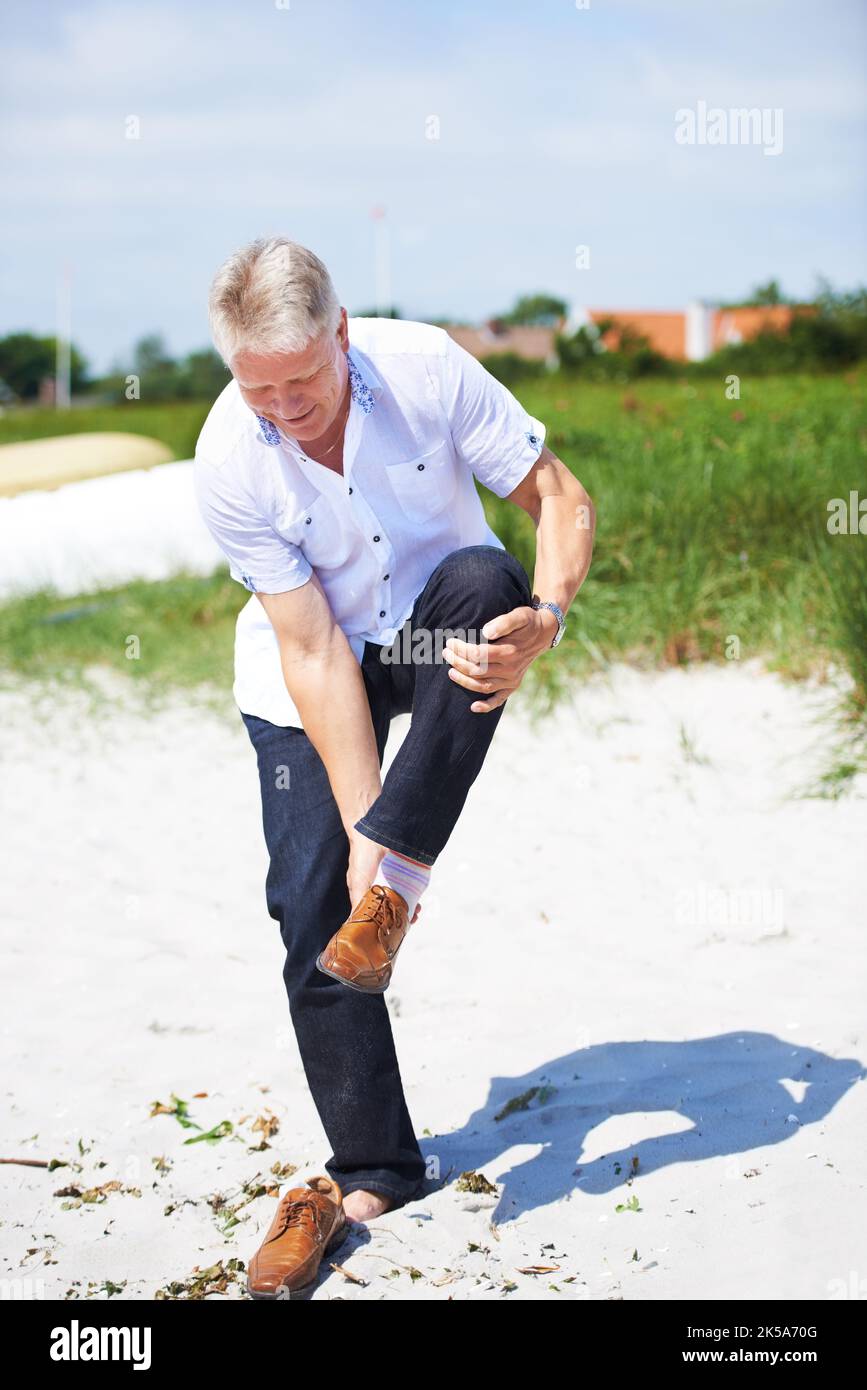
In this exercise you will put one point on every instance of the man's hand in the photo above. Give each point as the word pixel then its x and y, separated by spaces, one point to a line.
pixel 365 857
pixel 496 668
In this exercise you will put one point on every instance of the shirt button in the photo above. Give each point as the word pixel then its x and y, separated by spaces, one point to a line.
pixel 376 538
pixel 307 520
pixel 382 612
pixel 419 466
pixel 350 489
pixel 386 576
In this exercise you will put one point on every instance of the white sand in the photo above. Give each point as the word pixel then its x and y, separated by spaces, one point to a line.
pixel 65 458
pixel 570 939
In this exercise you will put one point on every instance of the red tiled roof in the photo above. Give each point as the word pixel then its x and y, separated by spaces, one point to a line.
pixel 666 332
pixel 739 325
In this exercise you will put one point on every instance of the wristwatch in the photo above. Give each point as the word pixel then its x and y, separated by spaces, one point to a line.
pixel 540 603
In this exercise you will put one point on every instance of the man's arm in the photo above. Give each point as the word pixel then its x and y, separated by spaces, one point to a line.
pixel 319 667
pixel 565 521
pixel 325 682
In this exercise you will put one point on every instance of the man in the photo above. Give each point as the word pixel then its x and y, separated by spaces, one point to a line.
pixel 335 472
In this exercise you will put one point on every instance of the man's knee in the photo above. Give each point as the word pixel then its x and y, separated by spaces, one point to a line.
pixel 472 586
pixel 486 569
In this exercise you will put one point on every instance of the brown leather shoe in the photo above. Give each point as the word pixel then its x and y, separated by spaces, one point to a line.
pixel 309 1222
pixel 361 953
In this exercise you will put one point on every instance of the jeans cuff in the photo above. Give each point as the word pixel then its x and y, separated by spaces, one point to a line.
pixel 383 837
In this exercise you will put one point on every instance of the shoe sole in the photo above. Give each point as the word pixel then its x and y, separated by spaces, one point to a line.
pixel 362 989
pixel 304 1290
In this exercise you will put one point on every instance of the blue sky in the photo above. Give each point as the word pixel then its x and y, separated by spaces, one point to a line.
pixel 556 131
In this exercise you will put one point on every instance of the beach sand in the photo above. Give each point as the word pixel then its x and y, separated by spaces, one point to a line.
pixel 64 459
pixel 640 934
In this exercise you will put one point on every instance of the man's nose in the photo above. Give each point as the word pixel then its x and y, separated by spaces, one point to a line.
pixel 289 405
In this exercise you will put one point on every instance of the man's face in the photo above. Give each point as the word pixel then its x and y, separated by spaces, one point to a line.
pixel 299 392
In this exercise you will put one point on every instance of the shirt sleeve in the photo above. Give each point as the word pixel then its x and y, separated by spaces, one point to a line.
pixel 492 432
pixel 258 557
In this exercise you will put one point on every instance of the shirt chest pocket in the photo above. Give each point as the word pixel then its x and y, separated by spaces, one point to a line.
pixel 424 485
pixel 320 535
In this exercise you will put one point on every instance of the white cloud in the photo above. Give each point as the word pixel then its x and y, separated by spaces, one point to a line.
pixel 556 127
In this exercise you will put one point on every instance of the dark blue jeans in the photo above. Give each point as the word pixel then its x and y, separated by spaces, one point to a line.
pixel 344 1036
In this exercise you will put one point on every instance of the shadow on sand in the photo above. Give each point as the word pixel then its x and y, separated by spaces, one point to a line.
pixel 731 1087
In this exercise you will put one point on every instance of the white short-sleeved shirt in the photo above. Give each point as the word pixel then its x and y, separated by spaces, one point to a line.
pixel 425 418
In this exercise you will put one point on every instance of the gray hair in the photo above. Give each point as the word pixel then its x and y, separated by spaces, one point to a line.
pixel 271 296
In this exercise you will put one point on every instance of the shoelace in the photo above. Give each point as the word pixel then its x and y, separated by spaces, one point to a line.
pixel 385 921
pixel 371 913
pixel 382 914
pixel 294 1212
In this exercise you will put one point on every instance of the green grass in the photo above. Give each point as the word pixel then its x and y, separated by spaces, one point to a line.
pixel 176 425
pixel 184 629
pixel 711 538
pixel 712 514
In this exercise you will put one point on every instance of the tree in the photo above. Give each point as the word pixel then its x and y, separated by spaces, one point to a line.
pixel 26 360
pixel 629 356
pixel 583 345
pixel 768 294
pixel 761 295
pixel 203 375
pixel 199 376
pixel 156 370
pixel 542 310
pixel 829 335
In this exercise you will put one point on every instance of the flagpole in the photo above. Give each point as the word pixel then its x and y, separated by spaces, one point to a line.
pixel 63 340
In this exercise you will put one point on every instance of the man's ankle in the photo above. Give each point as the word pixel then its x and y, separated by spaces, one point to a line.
pixel 404 876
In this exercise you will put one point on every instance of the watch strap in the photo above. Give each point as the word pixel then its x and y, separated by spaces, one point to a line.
pixel 558 614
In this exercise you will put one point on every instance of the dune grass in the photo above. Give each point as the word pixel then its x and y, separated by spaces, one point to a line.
pixel 712 535
pixel 712 541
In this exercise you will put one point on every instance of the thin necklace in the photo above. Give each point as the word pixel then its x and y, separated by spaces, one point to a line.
pixel 339 437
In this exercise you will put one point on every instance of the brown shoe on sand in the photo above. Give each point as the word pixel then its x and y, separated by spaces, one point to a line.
pixel 361 953
pixel 308 1223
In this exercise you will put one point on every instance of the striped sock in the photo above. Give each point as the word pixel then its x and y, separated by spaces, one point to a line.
pixel 405 876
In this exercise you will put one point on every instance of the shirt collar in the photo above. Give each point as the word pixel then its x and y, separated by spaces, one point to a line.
pixel 365 385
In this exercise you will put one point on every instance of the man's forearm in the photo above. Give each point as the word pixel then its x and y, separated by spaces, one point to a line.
pixel 564 542
pixel 329 694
